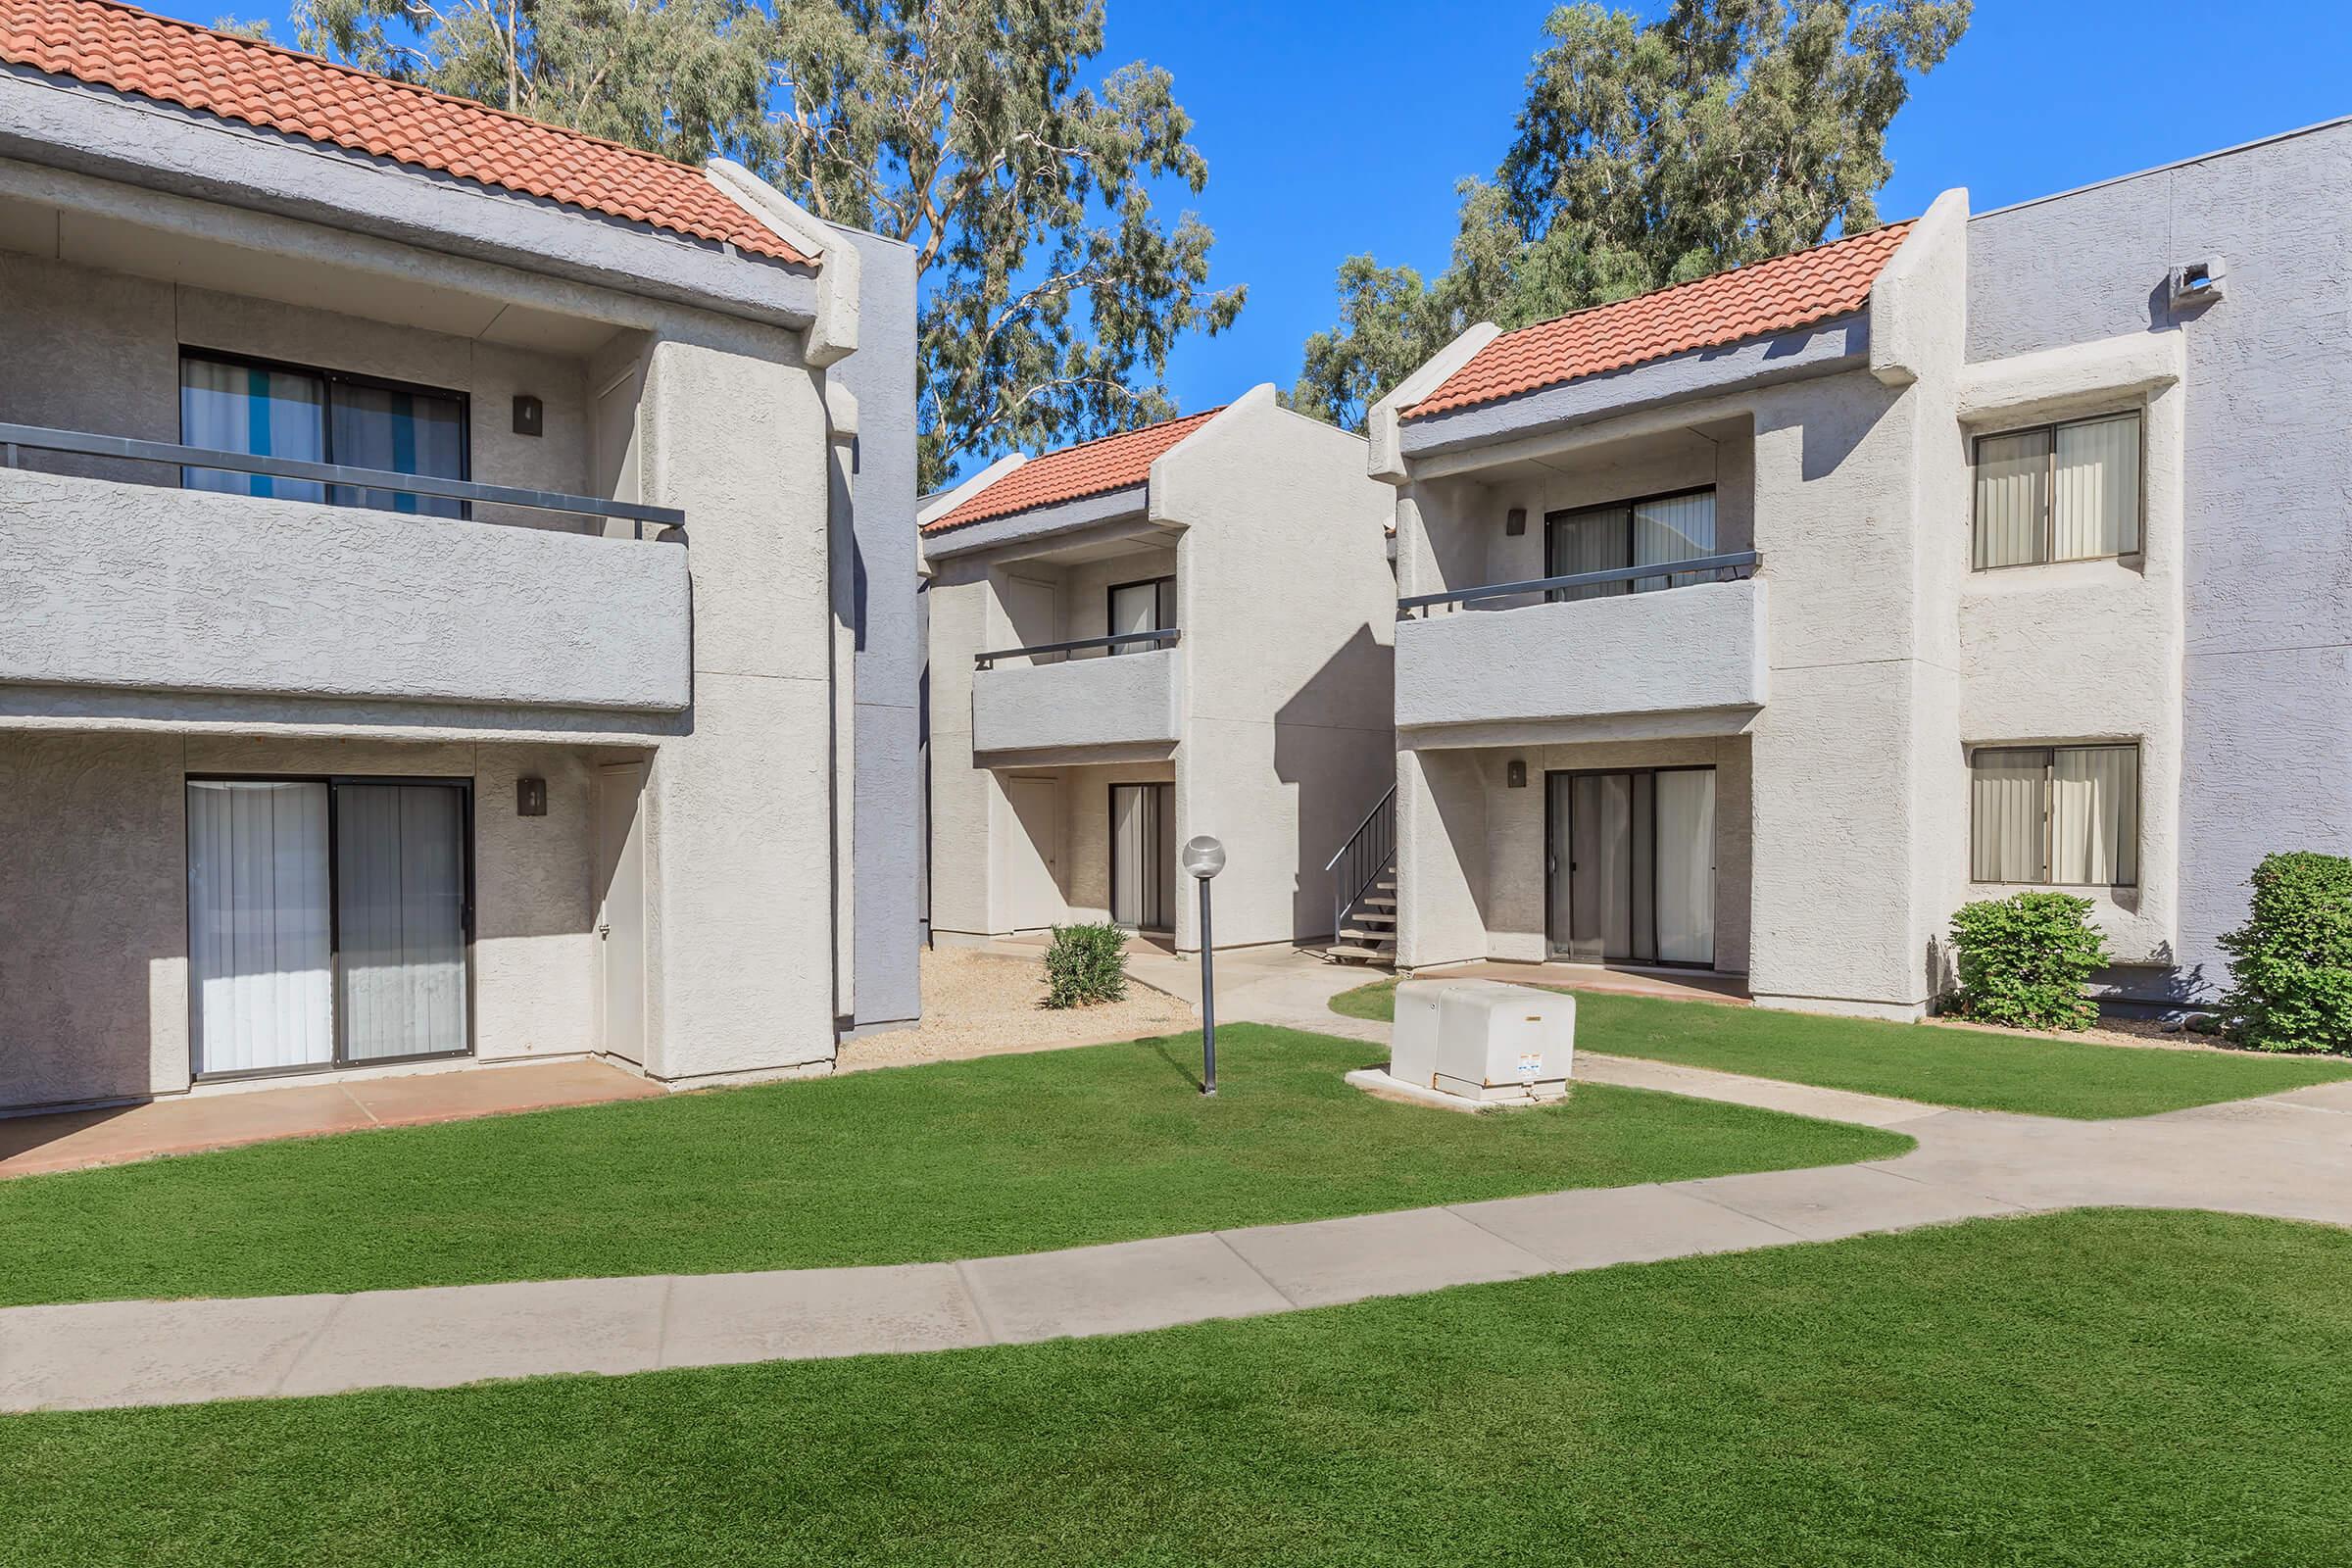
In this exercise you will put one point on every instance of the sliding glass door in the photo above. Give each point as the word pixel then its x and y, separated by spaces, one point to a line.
pixel 1136 606
pixel 329 922
pixel 1654 532
pixel 1632 865
pixel 1143 857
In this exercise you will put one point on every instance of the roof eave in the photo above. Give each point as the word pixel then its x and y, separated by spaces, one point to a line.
pixel 60 123
pixel 1128 503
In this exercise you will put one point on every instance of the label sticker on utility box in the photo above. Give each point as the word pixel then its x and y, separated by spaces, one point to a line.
pixel 1531 1063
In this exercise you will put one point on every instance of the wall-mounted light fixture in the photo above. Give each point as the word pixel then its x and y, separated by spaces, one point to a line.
pixel 530 414
pixel 1514 773
pixel 530 796
pixel 1514 521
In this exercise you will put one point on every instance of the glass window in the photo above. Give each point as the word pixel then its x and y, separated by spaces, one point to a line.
pixel 1148 605
pixel 1629 533
pixel 319 417
pixel 2062 492
pixel 2055 816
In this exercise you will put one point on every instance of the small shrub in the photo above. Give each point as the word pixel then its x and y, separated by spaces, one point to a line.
pixel 2025 959
pixel 2290 964
pixel 1086 965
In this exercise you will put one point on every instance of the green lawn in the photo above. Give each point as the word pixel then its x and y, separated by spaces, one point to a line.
pixel 2118 1390
pixel 1944 1066
pixel 1017 1154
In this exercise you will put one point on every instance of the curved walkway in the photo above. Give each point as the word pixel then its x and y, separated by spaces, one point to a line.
pixel 2288 1156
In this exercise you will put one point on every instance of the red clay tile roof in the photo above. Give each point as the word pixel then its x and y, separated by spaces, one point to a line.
pixel 135 51
pixel 1751 301
pixel 1090 468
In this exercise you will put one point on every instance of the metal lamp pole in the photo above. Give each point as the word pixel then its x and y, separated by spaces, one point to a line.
pixel 1204 858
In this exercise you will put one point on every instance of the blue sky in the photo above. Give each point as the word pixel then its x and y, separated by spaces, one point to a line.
pixel 1334 128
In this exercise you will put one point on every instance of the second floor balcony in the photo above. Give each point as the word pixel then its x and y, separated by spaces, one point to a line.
pixel 1586 646
pixel 1066 703
pixel 279 578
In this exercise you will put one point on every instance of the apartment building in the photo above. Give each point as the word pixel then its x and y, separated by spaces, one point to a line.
pixel 1179 630
pixel 433 621
pixel 1755 624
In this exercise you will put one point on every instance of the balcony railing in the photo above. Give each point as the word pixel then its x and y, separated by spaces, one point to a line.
pixel 82 443
pixel 1725 568
pixel 1165 637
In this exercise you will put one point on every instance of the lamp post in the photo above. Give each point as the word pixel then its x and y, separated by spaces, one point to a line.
pixel 1204 858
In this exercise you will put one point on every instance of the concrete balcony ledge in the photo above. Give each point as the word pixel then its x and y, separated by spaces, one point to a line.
pixel 1689 650
pixel 1084 706
pixel 120 587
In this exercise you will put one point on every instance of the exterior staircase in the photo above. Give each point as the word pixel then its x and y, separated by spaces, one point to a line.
pixel 1363 890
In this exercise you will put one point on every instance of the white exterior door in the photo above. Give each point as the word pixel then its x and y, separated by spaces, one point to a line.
pixel 620 910
pixel 1032 609
pixel 1033 853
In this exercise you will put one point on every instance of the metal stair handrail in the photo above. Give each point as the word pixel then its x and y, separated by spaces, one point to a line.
pixel 1369 851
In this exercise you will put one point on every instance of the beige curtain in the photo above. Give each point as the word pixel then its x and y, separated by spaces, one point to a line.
pixel 2094 816
pixel 2008 802
pixel 2012 474
pixel 2094 502
pixel 1680 528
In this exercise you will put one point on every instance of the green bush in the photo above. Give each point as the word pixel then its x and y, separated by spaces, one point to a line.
pixel 2290 964
pixel 1086 965
pixel 2024 961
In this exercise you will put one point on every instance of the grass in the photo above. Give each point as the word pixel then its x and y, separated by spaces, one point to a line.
pixel 1011 1154
pixel 2120 1389
pixel 1978 1069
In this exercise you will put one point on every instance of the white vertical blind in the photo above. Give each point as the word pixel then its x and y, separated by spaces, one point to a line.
pixel 2094 500
pixel 257 925
pixel 1676 528
pixel 2094 816
pixel 1686 852
pixel 2012 474
pixel 400 892
pixel 2008 790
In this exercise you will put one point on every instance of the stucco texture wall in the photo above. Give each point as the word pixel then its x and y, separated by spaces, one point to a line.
pixel 2266 661
pixel 93 899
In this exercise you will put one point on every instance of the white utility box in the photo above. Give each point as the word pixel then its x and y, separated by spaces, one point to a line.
pixel 1483 1040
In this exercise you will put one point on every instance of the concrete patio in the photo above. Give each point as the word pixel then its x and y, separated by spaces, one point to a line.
pixel 118 1135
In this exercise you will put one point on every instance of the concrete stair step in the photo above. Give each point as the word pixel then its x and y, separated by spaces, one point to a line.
pixel 1353 953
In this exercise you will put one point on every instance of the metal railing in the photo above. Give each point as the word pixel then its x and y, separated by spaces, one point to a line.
pixel 1165 637
pixel 1369 851
pixel 82 443
pixel 1727 567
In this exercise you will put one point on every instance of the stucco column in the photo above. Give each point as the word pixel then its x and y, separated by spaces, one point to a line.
pixel 740 809
pixel 1441 858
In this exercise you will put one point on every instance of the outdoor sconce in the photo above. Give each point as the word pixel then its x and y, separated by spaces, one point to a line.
pixel 1514 773
pixel 530 796
pixel 530 414
pixel 1514 521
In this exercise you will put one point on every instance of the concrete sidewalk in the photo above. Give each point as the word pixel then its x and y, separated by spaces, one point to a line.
pixel 2290 1156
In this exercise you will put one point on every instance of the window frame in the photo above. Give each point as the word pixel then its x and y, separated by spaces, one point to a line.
pixel 1110 609
pixel 2049 815
pixel 1629 503
pixel 328 380
pixel 2139 501
pixel 339 1060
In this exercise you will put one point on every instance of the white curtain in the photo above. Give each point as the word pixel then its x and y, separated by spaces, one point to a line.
pixel 2008 804
pixel 1144 855
pixel 1141 607
pixel 1679 528
pixel 258 930
pixel 256 411
pixel 1686 850
pixel 2094 501
pixel 2094 816
pixel 400 898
